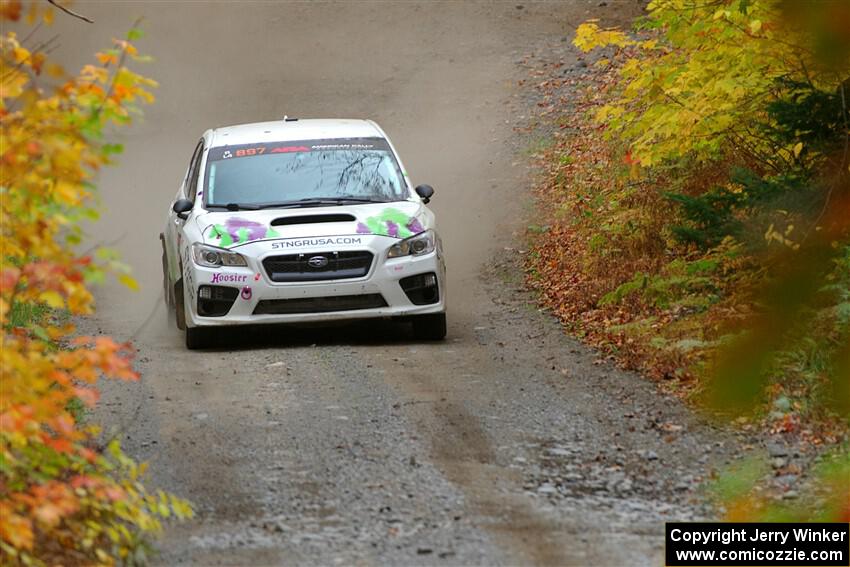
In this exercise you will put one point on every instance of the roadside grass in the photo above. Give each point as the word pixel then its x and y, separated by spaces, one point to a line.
pixel 739 490
pixel 34 317
pixel 538 146
pixel 25 315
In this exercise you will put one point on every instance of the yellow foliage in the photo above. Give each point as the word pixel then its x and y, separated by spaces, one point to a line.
pixel 590 36
pixel 682 95
pixel 54 488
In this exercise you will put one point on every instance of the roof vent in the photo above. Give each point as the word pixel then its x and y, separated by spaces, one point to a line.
pixel 288 119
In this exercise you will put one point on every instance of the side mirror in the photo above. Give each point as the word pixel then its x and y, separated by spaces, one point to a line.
pixel 426 192
pixel 182 207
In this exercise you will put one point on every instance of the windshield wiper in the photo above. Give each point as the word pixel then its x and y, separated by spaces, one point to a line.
pixel 316 202
pixel 233 206
pixel 361 200
pixel 308 202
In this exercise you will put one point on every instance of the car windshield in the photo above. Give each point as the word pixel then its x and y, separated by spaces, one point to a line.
pixel 310 172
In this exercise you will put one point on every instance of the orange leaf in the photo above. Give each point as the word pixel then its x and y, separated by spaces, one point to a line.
pixel 11 10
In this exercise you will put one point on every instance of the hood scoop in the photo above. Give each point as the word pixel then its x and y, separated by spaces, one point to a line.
pixel 313 219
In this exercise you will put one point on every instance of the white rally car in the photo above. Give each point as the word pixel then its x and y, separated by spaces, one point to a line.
pixel 300 221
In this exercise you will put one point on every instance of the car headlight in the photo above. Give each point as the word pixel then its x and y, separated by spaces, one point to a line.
pixel 213 257
pixel 422 243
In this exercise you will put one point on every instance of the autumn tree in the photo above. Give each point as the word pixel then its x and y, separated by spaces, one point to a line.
pixel 757 94
pixel 64 498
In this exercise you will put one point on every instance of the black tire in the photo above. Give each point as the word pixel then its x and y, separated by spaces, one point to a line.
pixel 197 337
pixel 430 327
pixel 167 290
pixel 179 310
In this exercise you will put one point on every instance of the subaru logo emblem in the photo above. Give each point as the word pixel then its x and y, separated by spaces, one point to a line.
pixel 317 262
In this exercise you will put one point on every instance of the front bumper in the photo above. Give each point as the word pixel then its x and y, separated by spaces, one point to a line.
pixel 358 296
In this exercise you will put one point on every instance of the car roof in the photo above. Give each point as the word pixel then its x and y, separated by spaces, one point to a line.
pixel 290 130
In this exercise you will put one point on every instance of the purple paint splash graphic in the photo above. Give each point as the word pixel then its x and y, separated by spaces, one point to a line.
pixel 415 226
pixel 392 229
pixel 363 229
pixel 255 229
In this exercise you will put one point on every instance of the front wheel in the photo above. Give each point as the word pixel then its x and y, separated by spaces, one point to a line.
pixel 430 327
pixel 197 337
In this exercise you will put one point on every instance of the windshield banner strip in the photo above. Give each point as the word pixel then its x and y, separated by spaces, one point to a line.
pixel 258 149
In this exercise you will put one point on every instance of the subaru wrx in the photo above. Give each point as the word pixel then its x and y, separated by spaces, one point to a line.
pixel 298 221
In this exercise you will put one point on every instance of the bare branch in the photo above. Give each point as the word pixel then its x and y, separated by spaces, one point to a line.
pixel 70 12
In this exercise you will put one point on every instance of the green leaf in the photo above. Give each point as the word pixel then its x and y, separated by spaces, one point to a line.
pixel 134 34
pixel 111 149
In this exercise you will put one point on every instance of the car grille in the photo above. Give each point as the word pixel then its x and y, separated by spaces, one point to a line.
pixel 319 304
pixel 318 266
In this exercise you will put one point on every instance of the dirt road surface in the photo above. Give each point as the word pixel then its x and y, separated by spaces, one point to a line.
pixel 507 443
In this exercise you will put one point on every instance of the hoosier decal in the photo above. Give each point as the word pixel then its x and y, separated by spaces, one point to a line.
pixel 228 278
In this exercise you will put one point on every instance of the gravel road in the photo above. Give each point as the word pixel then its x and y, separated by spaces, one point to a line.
pixel 506 444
